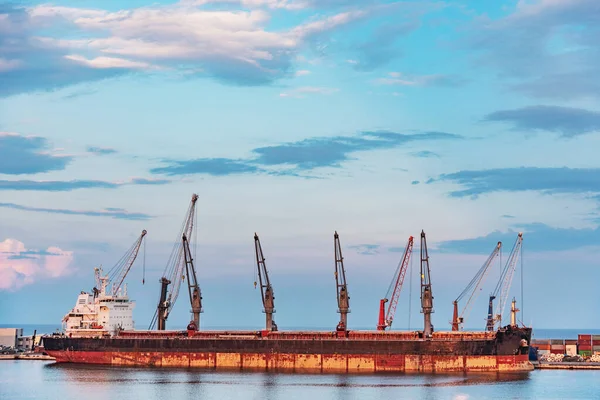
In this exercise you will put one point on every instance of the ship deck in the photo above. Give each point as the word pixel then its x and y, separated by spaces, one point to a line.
pixel 313 335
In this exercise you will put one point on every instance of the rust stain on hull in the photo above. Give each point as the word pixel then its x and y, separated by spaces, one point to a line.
pixel 367 363
pixel 300 351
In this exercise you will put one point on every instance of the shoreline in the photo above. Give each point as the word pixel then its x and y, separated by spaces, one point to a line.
pixel 566 365
pixel 26 357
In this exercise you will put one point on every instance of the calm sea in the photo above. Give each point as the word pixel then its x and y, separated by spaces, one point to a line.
pixel 43 380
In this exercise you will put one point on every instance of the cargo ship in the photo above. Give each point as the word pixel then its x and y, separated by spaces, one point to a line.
pixel 99 329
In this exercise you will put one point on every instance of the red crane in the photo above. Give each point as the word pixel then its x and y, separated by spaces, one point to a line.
pixel 387 317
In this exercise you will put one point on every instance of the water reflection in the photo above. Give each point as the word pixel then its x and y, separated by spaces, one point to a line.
pixel 37 380
pixel 343 384
pixel 268 381
pixel 268 387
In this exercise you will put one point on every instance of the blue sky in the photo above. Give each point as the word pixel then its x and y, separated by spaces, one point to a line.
pixel 471 120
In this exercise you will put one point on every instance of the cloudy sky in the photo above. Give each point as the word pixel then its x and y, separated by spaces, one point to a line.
pixel 470 120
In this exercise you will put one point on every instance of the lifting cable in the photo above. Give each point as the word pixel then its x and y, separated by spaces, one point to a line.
pixel 144 265
pixel 522 319
pixel 410 290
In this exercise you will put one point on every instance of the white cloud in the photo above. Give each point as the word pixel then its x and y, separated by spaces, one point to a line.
pixel 274 4
pixel 20 266
pixel 302 72
pixel 543 48
pixel 7 65
pixel 302 91
pixel 529 8
pixel 397 78
pixel 229 44
pixel 109 62
pixel 325 24
pixel 71 13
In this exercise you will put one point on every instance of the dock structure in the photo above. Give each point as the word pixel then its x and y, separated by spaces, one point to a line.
pixel 565 365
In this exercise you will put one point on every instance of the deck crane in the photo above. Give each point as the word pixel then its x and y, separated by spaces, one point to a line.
pixel 472 287
pixel 387 317
pixel 193 288
pixel 266 290
pixel 426 294
pixel 179 267
pixel 117 274
pixel 343 298
pixel 503 285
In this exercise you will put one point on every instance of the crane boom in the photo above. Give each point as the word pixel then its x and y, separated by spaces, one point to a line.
pixel 175 271
pixel 343 298
pixel 266 290
pixel 193 288
pixel 508 276
pixel 386 318
pixel 118 273
pixel 503 285
pixel 426 294
pixel 472 287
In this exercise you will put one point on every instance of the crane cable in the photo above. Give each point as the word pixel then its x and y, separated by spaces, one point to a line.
pixel 410 289
pixel 522 296
pixel 144 265
pixel 254 269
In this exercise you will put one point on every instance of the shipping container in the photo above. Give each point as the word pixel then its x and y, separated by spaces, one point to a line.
pixel 558 347
pixel 596 337
pixel 595 348
pixel 585 347
pixel 557 341
pixel 542 346
pixel 557 351
pixel 585 352
pixel 540 341
pixel 571 349
pixel 541 352
pixel 571 341
pixel 584 337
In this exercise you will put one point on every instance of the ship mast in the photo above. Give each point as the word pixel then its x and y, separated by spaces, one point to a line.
pixel 426 294
pixel 266 290
pixel 343 298
pixel 513 313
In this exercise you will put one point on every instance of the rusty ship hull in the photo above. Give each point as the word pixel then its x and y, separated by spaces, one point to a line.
pixel 353 352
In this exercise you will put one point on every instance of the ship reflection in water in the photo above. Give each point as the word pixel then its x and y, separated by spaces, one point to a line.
pixel 42 380
pixel 98 374
pixel 185 383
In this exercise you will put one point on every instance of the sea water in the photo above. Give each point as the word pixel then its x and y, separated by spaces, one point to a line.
pixel 46 380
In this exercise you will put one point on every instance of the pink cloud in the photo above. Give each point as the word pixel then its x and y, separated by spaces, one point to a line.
pixel 20 266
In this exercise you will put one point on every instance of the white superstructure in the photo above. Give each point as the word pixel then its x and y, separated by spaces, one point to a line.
pixel 103 312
